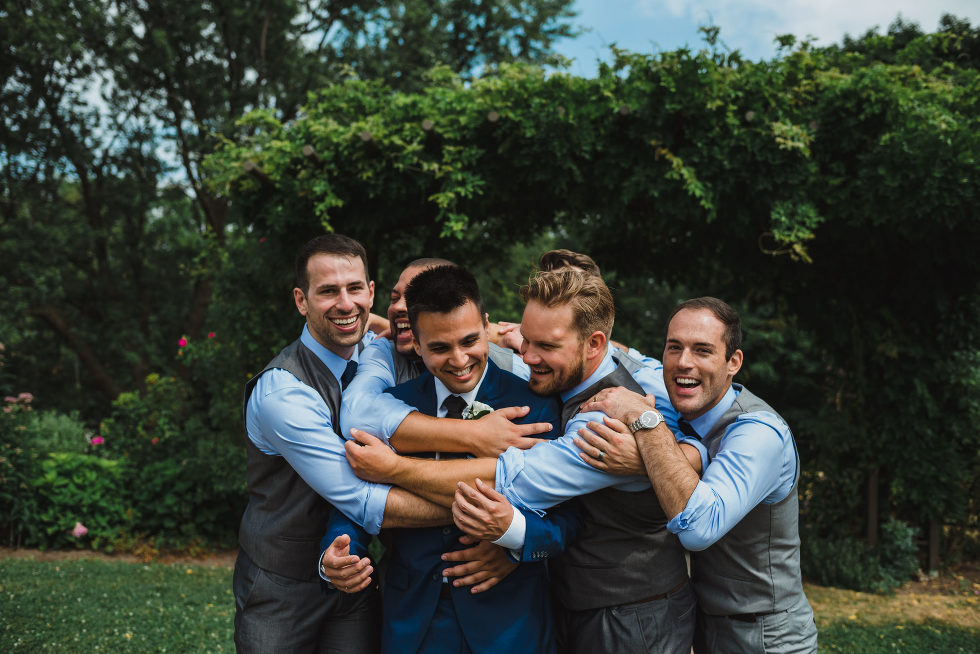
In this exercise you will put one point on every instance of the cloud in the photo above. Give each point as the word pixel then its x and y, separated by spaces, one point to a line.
pixel 742 21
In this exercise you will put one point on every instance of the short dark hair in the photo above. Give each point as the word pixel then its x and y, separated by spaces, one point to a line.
pixel 562 258
pixel 723 312
pixel 335 244
pixel 441 290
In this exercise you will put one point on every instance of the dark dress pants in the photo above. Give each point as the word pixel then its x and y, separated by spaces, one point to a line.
pixel 661 626
pixel 278 614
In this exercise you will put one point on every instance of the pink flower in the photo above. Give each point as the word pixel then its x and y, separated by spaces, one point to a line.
pixel 210 334
pixel 79 530
pixel 98 440
pixel 154 441
pixel 262 240
pixel 182 342
pixel 26 397
pixel 10 398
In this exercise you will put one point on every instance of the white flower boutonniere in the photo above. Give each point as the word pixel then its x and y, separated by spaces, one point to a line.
pixel 476 410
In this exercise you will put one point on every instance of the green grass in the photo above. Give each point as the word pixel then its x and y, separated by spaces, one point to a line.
pixel 97 606
pixel 100 606
pixel 930 637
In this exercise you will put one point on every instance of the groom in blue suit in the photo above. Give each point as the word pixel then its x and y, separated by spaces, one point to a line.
pixel 422 611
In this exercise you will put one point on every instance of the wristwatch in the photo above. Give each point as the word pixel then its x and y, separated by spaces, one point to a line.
pixel 647 420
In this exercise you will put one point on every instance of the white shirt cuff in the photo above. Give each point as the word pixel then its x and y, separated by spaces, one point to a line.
pixel 513 538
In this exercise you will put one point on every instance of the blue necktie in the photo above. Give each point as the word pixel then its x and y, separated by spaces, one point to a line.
pixel 348 375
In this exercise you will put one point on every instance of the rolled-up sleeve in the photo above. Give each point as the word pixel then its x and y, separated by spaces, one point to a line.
pixel 756 462
pixel 366 406
pixel 551 472
pixel 287 418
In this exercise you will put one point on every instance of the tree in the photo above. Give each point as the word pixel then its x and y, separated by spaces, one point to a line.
pixel 108 109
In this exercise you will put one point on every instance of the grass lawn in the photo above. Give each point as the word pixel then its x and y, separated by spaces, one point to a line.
pixel 108 606
pixel 90 605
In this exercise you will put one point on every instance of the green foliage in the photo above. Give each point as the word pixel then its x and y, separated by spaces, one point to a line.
pixel 169 451
pixel 52 431
pixel 89 606
pixel 80 488
pixel 19 466
pixel 848 563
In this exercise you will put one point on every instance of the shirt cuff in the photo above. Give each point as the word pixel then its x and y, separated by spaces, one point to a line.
pixel 392 420
pixel 374 511
pixel 696 504
pixel 513 538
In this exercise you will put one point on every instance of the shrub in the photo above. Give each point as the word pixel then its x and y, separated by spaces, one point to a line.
pixel 849 563
pixel 79 501
pixel 19 465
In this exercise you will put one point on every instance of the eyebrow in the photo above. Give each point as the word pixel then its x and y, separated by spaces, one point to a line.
pixel 471 335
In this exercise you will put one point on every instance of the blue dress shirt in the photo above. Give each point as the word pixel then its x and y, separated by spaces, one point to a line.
pixel 755 463
pixel 367 407
pixel 287 418
pixel 552 472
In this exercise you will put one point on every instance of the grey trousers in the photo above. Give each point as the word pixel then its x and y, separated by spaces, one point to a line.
pixel 665 625
pixel 785 632
pixel 278 614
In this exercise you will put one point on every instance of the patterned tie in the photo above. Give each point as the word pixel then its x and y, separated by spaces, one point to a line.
pixel 348 375
pixel 454 406
pixel 686 428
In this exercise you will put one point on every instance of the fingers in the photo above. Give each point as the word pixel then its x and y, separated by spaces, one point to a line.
pixel 489 491
pixel 363 437
pixel 471 554
pixel 595 441
pixel 470 579
pixel 341 544
pixel 385 333
pixel 525 443
pixel 475 497
pixel 511 413
pixel 463 569
pixel 486 585
pixel 617 425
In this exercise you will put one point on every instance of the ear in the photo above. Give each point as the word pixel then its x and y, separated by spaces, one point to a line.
pixel 595 345
pixel 371 291
pixel 486 322
pixel 735 363
pixel 415 344
pixel 300 297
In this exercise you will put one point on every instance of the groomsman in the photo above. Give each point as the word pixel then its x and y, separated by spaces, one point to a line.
pixel 741 519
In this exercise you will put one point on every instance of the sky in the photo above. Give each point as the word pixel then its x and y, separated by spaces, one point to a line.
pixel 750 26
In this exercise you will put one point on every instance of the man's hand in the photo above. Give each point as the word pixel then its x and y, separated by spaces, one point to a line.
pixel 348 572
pixel 485 565
pixel 370 457
pixel 376 323
pixel 509 335
pixel 610 448
pixel 481 512
pixel 621 404
pixel 494 432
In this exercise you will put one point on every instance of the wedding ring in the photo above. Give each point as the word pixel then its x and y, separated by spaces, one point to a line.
pixel 601 453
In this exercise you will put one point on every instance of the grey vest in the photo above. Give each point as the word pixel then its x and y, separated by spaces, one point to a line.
pixel 755 567
pixel 285 518
pixel 625 553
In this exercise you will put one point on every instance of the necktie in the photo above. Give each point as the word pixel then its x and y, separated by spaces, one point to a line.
pixel 454 406
pixel 686 428
pixel 348 375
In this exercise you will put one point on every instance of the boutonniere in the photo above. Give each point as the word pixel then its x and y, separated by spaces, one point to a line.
pixel 476 410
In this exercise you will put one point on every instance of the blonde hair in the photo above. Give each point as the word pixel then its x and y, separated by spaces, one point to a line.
pixel 589 297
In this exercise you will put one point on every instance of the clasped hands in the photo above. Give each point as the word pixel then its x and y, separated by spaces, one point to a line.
pixel 610 446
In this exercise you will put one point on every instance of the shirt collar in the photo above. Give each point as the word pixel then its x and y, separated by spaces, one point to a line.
pixel 442 392
pixel 334 363
pixel 703 423
pixel 605 368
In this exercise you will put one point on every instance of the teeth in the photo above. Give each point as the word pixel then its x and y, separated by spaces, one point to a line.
pixel 344 321
pixel 461 373
pixel 687 381
pixel 401 324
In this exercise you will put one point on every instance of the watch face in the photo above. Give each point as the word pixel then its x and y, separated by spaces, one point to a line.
pixel 649 419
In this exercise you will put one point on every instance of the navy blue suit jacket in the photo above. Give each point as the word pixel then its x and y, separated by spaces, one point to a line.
pixel 513 616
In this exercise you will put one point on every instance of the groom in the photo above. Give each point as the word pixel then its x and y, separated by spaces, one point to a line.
pixel 422 611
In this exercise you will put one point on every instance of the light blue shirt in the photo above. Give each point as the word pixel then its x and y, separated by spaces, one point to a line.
pixel 367 407
pixel 756 463
pixel 552 472
pixel 287 418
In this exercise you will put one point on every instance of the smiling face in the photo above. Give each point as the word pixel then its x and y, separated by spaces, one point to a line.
pixel 401 332
pixel 553 349
pixel 337 302
pixel 696 370
pixel 454 346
